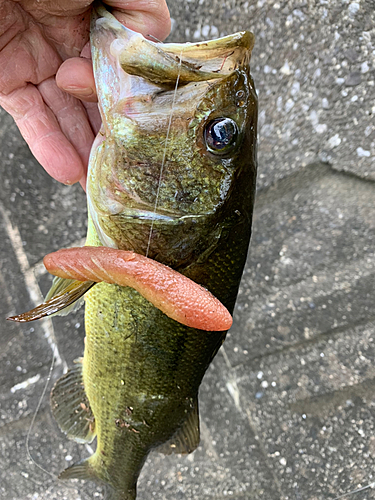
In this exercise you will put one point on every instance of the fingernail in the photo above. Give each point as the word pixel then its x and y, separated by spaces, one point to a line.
pixel 80 92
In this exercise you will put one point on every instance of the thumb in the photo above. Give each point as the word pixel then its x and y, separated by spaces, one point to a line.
pixel 76 77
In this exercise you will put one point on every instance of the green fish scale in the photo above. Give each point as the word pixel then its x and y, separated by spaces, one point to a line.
pixel 141 372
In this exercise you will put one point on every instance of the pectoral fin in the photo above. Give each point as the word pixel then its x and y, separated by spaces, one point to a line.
pixel 71 408
pixel 187 438
pixel 64 297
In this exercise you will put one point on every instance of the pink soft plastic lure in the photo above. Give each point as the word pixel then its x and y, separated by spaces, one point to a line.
pixel 174 294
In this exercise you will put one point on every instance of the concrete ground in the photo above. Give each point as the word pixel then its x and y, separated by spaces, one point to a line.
pixel 288 405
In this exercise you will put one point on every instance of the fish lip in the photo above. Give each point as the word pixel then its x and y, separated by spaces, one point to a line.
pixel 164 63
pixel 234 49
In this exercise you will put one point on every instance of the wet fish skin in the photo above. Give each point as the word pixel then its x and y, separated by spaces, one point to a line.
pixel 137 385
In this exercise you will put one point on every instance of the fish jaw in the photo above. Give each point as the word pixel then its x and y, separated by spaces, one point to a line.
pixel 153 187
pixel 114 45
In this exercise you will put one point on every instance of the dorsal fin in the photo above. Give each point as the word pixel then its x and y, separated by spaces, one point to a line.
pixel 71 408
pixel 187 438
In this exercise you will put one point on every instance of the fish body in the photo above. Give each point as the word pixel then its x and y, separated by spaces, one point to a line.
pixel 171 176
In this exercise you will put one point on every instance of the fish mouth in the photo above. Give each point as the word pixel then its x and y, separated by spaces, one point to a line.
pixel 165 63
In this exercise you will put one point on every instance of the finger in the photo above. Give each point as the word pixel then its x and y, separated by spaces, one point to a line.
pixel 93 114
pixel 42 133
pixel 27 58
pixel 71 116
pixel 83 182
pixel 76 76
pixel 149 17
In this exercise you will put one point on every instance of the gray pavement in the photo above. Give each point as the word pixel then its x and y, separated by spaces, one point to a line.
pixel 288 405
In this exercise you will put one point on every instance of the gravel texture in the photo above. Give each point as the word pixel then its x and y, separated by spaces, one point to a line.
pixel 287 407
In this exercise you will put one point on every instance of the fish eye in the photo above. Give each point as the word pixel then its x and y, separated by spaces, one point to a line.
pixel 221 135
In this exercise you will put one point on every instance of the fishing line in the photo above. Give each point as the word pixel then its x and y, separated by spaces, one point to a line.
pixel 54 476
pixel 36 413
pixel 165 151
pixel 371 485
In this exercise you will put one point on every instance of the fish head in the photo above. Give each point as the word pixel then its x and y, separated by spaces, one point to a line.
pixel 174 163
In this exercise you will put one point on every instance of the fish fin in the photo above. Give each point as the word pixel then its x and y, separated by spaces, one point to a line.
pixel 84 470
pixel 71 407
pixel 59 286
pixel 80 470
pixel 112 494
pixel 61 299
pixel 187 438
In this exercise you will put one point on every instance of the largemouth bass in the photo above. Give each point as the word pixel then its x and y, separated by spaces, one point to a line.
pixel 171 177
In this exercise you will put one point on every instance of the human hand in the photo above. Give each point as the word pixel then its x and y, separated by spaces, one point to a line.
pixel 44 84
